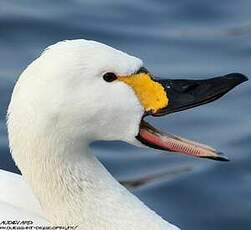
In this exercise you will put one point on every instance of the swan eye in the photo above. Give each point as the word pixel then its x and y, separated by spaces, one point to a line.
pixel 109 77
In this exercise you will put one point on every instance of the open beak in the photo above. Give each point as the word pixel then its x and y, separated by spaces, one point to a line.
pixel 182 95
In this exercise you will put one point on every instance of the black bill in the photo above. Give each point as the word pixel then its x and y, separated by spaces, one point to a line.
pixel 182 95
pixel 185 94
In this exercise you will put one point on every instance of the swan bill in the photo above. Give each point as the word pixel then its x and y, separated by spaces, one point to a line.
pixel 152 137
pixel 182 95
pixel 185 94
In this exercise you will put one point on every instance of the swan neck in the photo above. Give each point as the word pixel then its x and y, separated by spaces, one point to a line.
pixel 73 187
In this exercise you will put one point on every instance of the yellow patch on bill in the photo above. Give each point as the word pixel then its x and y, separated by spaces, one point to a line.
pixel 150 93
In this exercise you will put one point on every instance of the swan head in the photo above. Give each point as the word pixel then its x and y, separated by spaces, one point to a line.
pixel 86 90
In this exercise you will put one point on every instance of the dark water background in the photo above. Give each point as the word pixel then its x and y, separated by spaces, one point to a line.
pixel 177 39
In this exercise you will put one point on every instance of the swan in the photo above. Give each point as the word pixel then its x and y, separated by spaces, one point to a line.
pixel 77 92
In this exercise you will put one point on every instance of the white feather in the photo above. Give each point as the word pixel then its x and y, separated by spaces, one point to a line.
pixel 17 200
pixel 61 104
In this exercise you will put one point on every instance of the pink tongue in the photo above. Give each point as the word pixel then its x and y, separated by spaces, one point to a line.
pixel 172 143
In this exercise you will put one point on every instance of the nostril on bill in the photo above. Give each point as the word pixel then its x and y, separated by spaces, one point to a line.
pixel 189 87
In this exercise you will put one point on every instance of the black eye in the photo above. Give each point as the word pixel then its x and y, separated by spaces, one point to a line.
pixel 109 77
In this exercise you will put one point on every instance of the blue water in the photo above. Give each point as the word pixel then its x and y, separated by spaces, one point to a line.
pixel 176 39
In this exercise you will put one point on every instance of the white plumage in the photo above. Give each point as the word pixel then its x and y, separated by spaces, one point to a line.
pixel 17 200
pixel 60 104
